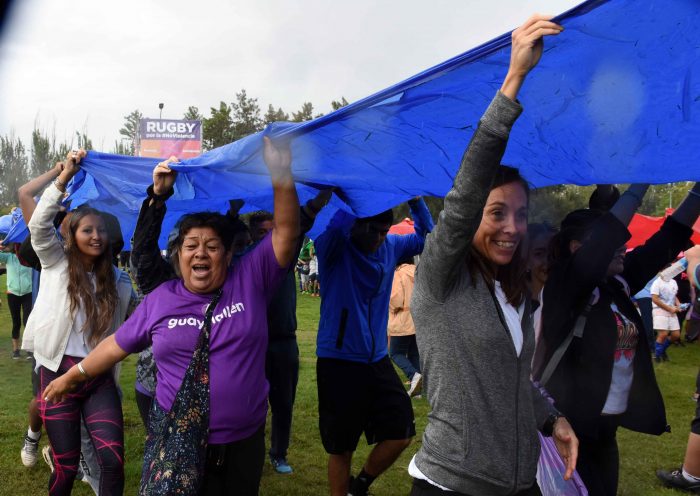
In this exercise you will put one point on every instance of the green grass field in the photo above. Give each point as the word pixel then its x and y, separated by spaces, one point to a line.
pixel 641 455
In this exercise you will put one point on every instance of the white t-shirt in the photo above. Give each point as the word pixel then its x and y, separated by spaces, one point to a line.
pixel 623 369
pixel 415 472
pixel 666 291
pixel 77 345
pixel 512 315
pixel 313 265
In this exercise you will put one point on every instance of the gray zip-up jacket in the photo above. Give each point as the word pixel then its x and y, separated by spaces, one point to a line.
pixel 481 436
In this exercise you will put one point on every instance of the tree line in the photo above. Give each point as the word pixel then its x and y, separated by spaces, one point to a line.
pixel 229 122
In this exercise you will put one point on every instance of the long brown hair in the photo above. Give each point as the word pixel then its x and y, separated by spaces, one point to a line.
pixel 512 275
pixel 99 302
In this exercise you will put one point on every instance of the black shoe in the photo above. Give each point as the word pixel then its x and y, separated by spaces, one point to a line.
pixel 15 355
pixel 357 488
pixel 657 359
pixel 676 480
pixel 665 357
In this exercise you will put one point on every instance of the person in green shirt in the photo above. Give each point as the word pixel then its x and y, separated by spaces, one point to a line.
pixel 19 292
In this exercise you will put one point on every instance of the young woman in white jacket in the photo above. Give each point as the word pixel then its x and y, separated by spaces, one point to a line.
pixel 82 300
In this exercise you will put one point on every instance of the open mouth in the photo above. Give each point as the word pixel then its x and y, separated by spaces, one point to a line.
pixel 200 269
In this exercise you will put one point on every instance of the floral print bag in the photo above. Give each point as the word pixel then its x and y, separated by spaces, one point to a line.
pixel 176 448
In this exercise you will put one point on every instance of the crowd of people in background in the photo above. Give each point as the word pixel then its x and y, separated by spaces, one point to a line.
pixel 507 329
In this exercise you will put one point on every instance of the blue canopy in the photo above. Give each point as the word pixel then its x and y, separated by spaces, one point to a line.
pixel 615 99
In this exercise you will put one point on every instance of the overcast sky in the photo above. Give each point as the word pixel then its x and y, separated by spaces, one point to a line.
pixel 85 64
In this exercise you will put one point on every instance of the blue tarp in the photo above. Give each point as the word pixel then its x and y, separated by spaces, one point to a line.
pixel 615 99
pixel 18 230
pixel 13 227
pixel 5 223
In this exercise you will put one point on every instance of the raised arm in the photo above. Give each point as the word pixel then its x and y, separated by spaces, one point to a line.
pixel 311 209
pixel 642 263
pixel 149 267
pixel 625 208
pixel 590 262
pixel 448 244
pixel 47 247
pixel 689 209
pixel 604 197
pixel 285 233
pixel 329 245
pixel 412 244
pixel 28 191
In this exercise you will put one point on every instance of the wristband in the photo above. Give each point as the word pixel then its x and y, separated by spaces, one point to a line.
pixel 82 371
pixel 152 195
pixel 548 427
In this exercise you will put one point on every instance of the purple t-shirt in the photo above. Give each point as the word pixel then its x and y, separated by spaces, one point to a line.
pixel 171 317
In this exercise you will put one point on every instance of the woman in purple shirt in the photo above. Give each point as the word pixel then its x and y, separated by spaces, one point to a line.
pixel 171 319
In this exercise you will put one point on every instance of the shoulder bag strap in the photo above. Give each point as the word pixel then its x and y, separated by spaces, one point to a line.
pixel 577 331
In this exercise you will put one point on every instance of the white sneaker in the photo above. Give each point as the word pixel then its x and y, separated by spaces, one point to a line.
pixel 48 458
pixel 416 384
pixel 29 452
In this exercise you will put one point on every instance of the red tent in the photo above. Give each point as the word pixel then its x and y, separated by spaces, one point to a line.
pixel 403 227
pixel 642 227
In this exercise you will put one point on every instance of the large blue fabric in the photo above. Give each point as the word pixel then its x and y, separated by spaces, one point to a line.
pixel 615 99
pixel 5 223
pixel 18 229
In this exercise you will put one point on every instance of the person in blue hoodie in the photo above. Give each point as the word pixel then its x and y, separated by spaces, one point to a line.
pixel 358 388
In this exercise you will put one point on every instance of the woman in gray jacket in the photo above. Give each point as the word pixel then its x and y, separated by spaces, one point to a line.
pixel 472 317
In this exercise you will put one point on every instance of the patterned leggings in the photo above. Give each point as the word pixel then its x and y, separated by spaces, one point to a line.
pixel 98 401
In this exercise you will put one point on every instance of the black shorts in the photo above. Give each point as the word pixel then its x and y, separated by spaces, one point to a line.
pixel 355 397
pixel 695 424
pixel 313 277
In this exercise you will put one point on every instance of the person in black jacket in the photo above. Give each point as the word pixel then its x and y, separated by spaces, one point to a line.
pixel 606 379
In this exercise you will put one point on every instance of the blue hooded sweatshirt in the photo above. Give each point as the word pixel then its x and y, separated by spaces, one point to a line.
pixel 356 287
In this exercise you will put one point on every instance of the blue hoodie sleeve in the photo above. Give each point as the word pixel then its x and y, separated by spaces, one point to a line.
pixel 412 244
pixel 331 243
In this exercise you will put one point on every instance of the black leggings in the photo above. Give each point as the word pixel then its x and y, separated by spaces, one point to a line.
pixel 20 306
pixel 98 401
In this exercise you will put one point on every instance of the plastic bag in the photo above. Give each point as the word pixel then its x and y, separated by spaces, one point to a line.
pixel 550 473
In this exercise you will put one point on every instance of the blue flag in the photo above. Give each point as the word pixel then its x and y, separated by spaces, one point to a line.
pixel 615 99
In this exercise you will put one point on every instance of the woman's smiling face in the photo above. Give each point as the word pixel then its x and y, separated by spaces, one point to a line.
pixel 503 223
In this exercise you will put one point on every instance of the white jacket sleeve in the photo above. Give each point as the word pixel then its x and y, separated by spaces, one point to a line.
pixel 44 241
